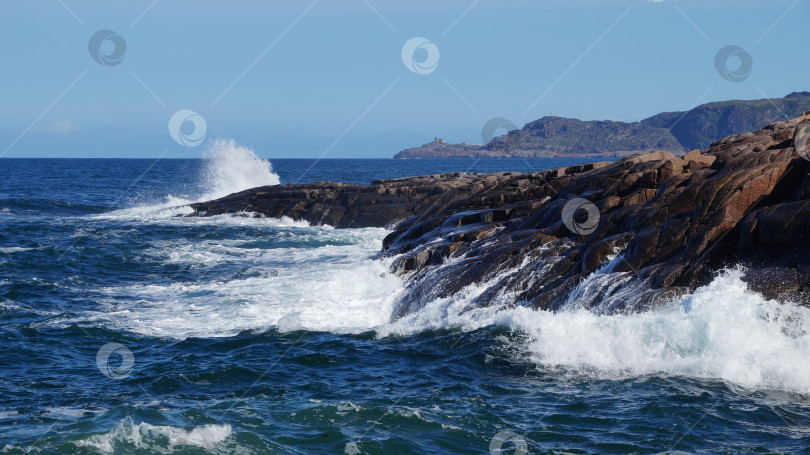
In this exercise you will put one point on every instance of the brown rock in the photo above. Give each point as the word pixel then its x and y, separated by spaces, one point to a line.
pixel 678 220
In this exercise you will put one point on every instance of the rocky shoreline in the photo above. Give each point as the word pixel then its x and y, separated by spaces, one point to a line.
pixel 608 236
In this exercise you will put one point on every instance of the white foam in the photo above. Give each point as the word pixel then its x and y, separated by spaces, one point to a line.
pixel 711 333
pixel 720 331
pixel 9 415
pixel 331 287
pixel 152 438
pixel 707 334
pixel 14 249
pixel 229 168
pixel 71 413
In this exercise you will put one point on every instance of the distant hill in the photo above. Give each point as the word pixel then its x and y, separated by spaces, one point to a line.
pixel 440 149
pixel 710 122
pixel 557 136
pixel 676 132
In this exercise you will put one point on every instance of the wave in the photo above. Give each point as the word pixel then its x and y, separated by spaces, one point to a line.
pixel 43 206
pixel 720 331
pixel 312 278
pixel 229 168
pixel 128 436
pixel 322 279
pixel 14 249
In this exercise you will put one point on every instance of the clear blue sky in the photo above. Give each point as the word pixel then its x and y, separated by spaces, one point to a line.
pixel 309 78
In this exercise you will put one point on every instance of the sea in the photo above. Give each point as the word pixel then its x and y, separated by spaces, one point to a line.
pixel 126 328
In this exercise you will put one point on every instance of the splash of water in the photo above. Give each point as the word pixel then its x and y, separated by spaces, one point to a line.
pixel 709 333
pixel 231 168
pixel 720 331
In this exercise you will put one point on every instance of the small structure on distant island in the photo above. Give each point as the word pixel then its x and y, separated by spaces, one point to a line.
pixel 437 140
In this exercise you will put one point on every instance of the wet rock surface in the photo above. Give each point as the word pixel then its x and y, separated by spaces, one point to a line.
pixel 343 205
pixel 609 236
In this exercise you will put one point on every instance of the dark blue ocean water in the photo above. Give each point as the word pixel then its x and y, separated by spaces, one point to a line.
pixel 125 329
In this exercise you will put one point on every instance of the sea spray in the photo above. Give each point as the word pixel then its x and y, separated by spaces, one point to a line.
pixel 231 168
pixel 314 278
pixel 228 168
pixel 721 330
pixel 709 334
pixel 239 330
pixel 333 286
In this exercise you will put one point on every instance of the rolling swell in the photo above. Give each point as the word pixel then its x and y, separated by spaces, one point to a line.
pixel 431 392
pixel 34 207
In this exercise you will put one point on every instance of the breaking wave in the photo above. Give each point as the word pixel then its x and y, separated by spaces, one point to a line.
pixel 229 168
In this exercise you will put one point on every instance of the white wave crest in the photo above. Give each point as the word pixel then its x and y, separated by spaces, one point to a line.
pixel 232 168
pixel 229 168
pixel 144 436
pixel 14 249
pixel 334 287
pixel 707 334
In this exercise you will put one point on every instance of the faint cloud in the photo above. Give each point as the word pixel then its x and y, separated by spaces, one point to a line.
pixel 61 127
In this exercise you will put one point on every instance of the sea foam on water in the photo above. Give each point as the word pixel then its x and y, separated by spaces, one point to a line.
pixel 721 330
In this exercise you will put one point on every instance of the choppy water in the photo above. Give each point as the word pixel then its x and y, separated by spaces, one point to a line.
pixel 253 335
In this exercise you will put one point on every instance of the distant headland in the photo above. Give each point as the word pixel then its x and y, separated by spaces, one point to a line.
pixel 675 132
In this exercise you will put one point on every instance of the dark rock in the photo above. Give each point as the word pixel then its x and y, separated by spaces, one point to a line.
pixel 674 221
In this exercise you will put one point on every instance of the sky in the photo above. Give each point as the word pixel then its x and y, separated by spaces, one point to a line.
pixel 328 78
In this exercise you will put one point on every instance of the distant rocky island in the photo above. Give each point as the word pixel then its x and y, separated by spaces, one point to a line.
pixel 675 132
